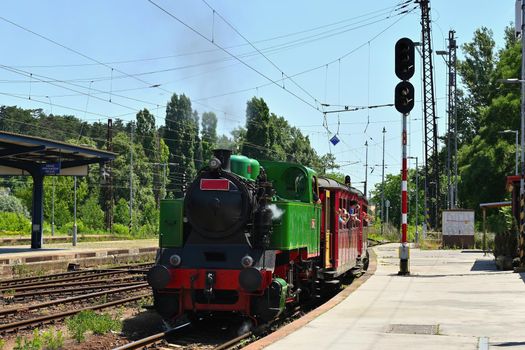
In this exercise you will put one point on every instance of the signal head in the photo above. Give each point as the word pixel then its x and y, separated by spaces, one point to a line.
pixel 404 59
pixel 404 97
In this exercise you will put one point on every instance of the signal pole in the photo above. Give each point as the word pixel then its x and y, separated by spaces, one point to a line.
pixel 404 102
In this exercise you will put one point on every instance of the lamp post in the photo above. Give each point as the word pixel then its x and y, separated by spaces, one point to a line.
pixel 417 195
pixel 383 184
pixel 521 244
pixel 517 147
pixel 366 167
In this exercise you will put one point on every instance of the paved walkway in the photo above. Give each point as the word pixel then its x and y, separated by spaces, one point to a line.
pixel 453 299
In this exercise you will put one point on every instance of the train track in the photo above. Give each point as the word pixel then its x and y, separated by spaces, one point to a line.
pixel 37 321
pixel 155 339
pixel 18 309
pixel 70 291
pixel 152 339
pixel 72 275
pixel 118 283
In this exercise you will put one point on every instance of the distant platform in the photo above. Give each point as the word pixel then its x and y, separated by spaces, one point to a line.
pixel 22 240
pixel 452 299
pixel 55 257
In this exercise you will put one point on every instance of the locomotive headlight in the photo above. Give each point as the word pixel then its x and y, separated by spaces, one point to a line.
pixel 175 260
pixel 214 163
pixel 247 261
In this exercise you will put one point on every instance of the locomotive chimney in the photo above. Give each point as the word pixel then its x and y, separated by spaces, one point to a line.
pixel 224 156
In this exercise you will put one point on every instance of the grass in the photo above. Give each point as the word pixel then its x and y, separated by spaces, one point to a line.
pixel 90 321
pixel 48 340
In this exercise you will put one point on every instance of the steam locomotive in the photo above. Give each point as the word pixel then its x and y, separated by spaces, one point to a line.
pixel 254 238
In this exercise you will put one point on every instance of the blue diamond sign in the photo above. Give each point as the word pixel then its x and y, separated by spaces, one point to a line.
pixel 334 140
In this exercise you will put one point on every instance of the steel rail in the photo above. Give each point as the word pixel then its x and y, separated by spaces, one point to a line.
pixel 56 276
pixel 79 283
pixel 38 283
pixel 139 344
pixel 70 290
pixel 16 310
pixel 44 319
pixel 46 277
pixel 233 341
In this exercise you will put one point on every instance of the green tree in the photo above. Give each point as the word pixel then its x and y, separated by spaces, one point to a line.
pixel 12 204
pixel 197 155
pixel 257 141
pixel 122 212
pixel 179 134
pixel 91 214
pixel 477 69
pixel 209 134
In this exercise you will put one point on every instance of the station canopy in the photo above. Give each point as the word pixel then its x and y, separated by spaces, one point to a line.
pixel 39 157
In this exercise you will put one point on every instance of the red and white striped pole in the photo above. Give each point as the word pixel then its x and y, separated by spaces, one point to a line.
pixel 404 102
pixel 404 251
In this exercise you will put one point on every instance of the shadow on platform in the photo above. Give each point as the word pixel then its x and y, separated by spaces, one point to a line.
pixel 14 250
pixel 509 343
pixel 484 265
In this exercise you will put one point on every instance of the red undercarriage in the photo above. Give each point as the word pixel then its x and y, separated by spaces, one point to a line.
pixel 186 282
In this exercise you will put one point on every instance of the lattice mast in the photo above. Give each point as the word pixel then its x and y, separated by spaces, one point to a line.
pixel 452 123
pixel 429 114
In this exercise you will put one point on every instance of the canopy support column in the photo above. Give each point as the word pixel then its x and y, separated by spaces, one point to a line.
pixel 38 211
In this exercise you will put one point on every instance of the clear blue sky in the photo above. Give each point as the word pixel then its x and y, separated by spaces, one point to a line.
pixel 350 43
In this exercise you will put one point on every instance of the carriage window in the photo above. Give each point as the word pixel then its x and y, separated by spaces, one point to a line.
pixel 296 184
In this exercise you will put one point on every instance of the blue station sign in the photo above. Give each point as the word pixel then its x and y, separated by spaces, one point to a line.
pixel 51 169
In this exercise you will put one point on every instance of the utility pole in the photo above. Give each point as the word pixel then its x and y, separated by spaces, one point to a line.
pixel 430 121
pixel 156 175
pixel 453 97
pixel 366 166
pixel 383 184
pixel 75 215
pixel 452 140
pixel 522 185
pixel 53 209
pixel 109 181
pixel 131 180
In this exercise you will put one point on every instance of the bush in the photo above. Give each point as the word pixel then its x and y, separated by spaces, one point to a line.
pixel 12 204
pixel 147 231
pixel 14 222
pixel 120 230
pixel 68 228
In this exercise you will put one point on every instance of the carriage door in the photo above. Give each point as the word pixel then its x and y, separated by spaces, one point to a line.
pixel 327 223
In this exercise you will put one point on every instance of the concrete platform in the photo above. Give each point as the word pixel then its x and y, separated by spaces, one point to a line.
pixel 453 299
pixel 55 257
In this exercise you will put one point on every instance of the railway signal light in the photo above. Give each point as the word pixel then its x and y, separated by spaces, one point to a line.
pixel 404 58
pixel 404 97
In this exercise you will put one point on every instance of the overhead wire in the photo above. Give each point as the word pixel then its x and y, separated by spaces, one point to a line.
pixel 231 54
